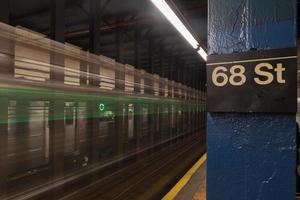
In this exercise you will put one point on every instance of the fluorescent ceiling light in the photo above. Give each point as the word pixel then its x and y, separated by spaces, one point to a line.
pixel 166 10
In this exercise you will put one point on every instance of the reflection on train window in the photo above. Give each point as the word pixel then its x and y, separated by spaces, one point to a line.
pixel 130 121
pixel 179 111
pixel 108 115
pixel 106 121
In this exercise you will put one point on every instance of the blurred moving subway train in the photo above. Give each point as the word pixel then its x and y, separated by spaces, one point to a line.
pixel 79 126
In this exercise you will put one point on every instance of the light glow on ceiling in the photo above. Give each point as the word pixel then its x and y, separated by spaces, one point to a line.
pixel 202 53
pixel 166 10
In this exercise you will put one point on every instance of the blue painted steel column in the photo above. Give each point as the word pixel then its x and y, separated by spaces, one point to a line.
pixel 251 156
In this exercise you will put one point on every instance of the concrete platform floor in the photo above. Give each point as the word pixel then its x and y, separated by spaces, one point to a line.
pixel 195 189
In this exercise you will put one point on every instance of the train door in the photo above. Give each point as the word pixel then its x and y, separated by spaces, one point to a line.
pixel 28 144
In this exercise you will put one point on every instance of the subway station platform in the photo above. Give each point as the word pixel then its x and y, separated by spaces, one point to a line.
pixel 149 100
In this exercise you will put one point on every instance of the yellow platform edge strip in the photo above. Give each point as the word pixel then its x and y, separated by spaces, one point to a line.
pixel 184 180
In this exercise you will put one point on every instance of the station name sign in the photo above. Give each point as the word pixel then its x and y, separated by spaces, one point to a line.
pixel 258 81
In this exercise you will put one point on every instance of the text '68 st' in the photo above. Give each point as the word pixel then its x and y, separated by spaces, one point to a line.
pixel 258 81
pixel 235 75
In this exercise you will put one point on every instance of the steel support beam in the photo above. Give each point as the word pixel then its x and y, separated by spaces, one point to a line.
pixel 120 46
pixel 137 82
pixel 3 147
pixel 137 108
pixel 94 32
pixel 57 28
pixel 175 68
pixel 120 85
pixel 190 78
pixel 6 68
pixel 137 48
pixel 161 61
pixel 151 50
pixel 94 81
pixel 5 11
pixel 150 91
pixel 5 46
pixel 57 126
pixel 170 66
pixel 40 11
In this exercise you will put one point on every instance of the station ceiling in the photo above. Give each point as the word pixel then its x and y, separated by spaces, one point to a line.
pixel 126 15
